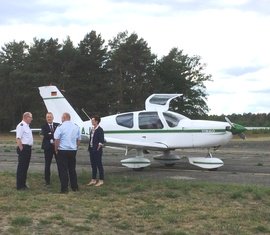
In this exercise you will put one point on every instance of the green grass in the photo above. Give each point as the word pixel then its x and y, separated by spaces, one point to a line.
pixel 132 205
pixel 21 221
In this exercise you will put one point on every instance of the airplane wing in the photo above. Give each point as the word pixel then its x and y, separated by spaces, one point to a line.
pixel 114 142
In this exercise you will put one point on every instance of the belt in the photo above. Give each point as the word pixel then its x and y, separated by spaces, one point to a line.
pixel 27 145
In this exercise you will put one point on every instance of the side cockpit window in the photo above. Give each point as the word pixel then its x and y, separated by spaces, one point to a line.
pixel 149 120
pixel 125 120
pixel 172 119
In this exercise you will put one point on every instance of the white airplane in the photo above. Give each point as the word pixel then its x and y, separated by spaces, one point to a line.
pixel 155 128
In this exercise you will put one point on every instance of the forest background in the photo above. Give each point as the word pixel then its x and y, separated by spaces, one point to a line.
pixel 103 78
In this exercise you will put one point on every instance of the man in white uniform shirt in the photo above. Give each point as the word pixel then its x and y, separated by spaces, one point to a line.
pixel 24 140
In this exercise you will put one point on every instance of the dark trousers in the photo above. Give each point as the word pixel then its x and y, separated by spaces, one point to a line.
pixel 96 164
pixel 67 169
pixel 48 154
pixel 24 157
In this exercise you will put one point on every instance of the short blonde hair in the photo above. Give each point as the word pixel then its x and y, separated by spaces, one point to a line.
pixel 27 114
pixel 67 116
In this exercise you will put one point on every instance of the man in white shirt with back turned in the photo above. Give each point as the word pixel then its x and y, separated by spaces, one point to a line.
pixel 67 139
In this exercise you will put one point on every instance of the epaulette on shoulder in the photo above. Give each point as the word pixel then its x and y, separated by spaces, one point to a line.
pixel 21 124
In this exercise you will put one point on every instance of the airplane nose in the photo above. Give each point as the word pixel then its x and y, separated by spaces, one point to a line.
pixel 236 129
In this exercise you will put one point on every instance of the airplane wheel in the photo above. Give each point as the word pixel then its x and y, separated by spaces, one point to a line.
pixel 170 164
pixel 138 169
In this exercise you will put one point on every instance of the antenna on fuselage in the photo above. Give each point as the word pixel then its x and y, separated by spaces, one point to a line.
pixel 86 114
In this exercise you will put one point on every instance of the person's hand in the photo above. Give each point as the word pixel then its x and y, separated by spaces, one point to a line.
pixel 99 146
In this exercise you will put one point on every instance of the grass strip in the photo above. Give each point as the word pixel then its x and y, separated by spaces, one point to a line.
pixel 133 205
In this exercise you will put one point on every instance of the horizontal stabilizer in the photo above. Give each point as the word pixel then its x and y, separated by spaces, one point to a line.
pixel 35 130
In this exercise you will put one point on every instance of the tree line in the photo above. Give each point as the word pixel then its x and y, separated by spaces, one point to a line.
pixel 103 78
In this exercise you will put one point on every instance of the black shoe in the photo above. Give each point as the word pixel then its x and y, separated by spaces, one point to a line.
pixel 64 191
pixel 75 189
pixel 23 188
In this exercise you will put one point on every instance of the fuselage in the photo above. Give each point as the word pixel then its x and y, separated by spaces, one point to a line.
pixel 169 128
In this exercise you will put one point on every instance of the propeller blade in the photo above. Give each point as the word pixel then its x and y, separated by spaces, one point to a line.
pixel 229 121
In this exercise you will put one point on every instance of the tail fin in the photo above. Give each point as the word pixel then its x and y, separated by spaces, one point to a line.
pixel 56 103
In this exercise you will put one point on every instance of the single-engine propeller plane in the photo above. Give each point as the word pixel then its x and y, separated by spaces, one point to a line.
pixel 155 128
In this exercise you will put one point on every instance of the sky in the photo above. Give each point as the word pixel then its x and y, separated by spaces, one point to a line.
pixel 232 37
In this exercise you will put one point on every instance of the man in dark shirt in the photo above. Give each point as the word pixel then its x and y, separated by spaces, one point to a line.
pixel 47 131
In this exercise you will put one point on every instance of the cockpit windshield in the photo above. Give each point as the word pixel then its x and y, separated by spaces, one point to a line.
pixel 173 119
pixel 125 120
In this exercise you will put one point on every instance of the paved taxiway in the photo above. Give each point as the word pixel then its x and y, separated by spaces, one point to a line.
pixel 245 162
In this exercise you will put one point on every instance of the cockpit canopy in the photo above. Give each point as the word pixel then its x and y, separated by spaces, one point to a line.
pixel 159 102
pixel 149 119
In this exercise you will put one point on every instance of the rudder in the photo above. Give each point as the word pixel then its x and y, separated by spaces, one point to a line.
pixel 56 103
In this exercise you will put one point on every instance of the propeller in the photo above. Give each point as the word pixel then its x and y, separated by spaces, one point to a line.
pixel 237 129
pixel 229 121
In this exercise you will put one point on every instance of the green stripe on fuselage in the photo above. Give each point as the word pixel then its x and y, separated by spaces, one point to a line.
pixel 212 131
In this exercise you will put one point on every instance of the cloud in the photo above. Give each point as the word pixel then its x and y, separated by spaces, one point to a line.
pixel 238 71
pixel 231 37
pixel 248 92
pixel 16 12
pixel 262 91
